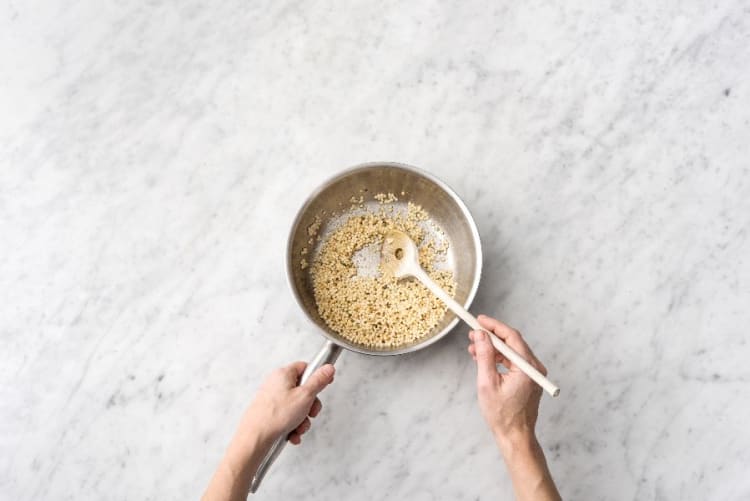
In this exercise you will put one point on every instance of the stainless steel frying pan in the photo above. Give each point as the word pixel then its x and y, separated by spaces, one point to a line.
pixel 333 197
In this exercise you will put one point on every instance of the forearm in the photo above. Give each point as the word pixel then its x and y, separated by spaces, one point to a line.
pixel 231 482
pixel 528 469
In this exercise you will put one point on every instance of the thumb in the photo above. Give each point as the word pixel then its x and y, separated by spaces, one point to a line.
pixel 319 379
pixel 486 365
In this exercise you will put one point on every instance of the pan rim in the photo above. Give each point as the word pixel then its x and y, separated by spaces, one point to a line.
pixel 420 172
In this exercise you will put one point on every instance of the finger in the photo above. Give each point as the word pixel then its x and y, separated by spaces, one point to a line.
pixel 303 427
pixel 538 365
pixel 515 340
pixel 510 336
pixel 319 379
pixel 473 352
pixel 485 355
pixel 503 331
pixel 316 407
pixel 533 360
pixel 499 358
pixel 297 368
pixel 542 368
pixel 294 438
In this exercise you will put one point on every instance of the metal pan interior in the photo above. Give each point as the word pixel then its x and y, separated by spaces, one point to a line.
pixel 444 207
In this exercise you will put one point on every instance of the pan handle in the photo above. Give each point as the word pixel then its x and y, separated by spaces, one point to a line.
pixel 327 355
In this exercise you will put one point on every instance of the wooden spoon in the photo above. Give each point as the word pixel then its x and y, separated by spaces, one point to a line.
pixel 399 257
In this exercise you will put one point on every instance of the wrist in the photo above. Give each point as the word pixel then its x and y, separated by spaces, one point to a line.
pixel 527 466
pixel 522 441
pixel 249 442
pixel 259 424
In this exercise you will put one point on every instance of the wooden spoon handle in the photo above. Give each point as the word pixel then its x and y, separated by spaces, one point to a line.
pixel 499 345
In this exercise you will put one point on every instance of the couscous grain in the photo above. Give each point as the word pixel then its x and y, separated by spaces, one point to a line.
pixel 378 311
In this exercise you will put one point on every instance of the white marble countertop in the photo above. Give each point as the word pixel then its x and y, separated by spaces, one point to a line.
pixel 153 155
